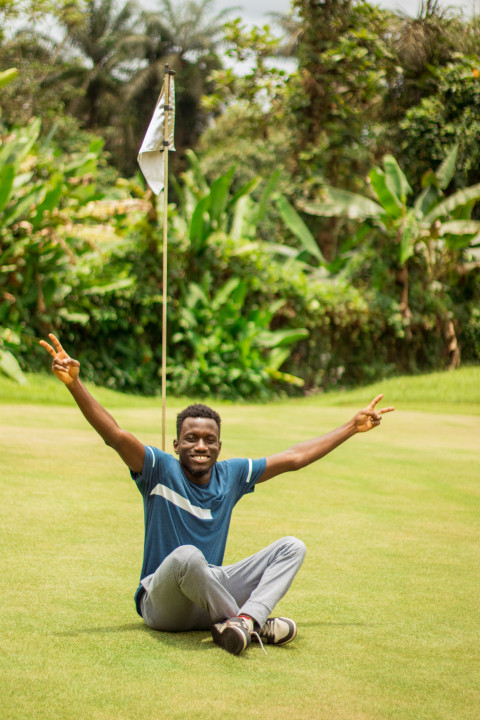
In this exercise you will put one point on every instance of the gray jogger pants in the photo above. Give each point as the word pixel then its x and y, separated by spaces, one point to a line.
pixel 186 593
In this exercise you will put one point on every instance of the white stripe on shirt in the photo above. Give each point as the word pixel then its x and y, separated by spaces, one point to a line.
pixel 181 502
pixel 250 469
pixel 153 455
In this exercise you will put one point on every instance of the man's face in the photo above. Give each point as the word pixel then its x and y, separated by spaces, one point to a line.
pixel 198 448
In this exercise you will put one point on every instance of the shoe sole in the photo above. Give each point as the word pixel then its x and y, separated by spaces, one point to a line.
pixel 234 640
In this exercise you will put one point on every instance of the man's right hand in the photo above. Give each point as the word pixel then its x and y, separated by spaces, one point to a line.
pixel 131 450
pixel 64 367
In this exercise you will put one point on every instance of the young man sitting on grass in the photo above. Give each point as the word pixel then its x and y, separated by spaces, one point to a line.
pixel 188 505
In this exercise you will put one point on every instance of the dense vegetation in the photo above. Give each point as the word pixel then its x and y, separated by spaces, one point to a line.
pixel 323 224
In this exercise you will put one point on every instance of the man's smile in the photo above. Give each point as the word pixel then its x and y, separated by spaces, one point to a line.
pixel 198 448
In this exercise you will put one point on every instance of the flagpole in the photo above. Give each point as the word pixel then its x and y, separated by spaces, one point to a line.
pixel 166 143
pixel 159 139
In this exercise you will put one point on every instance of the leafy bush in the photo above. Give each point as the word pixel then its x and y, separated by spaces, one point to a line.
pixel 419 252
pixel 246 318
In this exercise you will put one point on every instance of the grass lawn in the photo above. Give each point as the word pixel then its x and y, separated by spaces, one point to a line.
pixel 386 602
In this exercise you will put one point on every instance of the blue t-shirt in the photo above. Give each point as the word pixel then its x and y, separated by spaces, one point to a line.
pixel 178 512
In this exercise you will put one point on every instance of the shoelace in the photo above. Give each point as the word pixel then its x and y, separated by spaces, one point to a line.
pixel 268 630
pixel 254 632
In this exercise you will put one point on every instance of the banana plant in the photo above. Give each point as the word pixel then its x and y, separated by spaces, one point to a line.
pixel 221 348
pixel 8 339
pixel 230 345
pixel 440 225
pixel 6 76
pixel 46 201
pixel 296 225
pixel 431 215
pixel 34 188
pixel 216 208
pixel 9 365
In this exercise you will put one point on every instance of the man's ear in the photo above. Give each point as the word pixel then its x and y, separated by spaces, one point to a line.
pixel 175 445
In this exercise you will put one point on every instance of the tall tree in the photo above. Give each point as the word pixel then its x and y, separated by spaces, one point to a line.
pixel 420 44
pixel 102 41
pixel 28 43
pixel 343 61
pixel 433 99
pixel 336 97
pixel 187 35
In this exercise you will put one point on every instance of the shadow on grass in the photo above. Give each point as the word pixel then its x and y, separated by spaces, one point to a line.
pixel 190 640
pixel 325 623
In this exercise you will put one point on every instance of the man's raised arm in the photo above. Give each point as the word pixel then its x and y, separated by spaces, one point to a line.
pixel 131 450
pixel 307 452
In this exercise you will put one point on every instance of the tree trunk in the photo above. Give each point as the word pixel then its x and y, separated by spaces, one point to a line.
pixel 402 278
pixel 328 239
pixel 452 345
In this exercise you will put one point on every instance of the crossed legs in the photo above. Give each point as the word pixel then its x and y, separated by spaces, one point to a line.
pixel 186 593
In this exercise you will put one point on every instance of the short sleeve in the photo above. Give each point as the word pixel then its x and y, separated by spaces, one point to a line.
pixel 154 460
pixel 246 473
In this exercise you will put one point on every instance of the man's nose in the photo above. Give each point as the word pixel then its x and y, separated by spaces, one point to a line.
pixel 200 444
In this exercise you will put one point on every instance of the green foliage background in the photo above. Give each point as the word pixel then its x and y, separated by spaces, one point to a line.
pixel 273 286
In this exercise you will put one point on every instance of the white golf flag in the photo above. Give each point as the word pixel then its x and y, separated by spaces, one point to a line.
pixel 150 156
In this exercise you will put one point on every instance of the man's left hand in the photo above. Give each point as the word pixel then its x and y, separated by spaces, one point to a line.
pixel 369 418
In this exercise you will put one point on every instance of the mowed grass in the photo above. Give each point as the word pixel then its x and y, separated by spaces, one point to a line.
pixel 386 602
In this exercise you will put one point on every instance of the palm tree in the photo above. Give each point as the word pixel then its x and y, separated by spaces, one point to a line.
pixel 32 55
pixel 102 43
pixel 428 40
pixel 424 48
pixel 187 36
pixel 292 30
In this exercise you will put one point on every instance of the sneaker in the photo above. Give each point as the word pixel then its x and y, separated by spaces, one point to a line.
pixel 234 635
pixel 276 631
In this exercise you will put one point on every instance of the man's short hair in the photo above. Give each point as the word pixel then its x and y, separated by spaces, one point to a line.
pixel 195 411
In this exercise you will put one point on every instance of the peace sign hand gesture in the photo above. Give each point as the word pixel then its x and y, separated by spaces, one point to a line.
pixel 64 367
pixel 368 418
